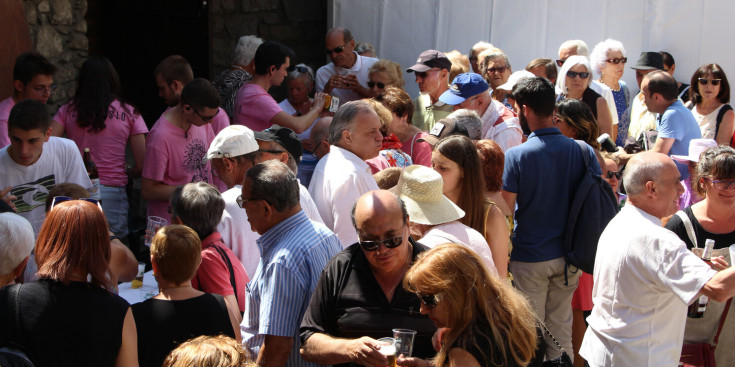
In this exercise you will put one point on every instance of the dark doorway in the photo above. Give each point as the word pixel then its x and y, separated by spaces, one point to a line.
pixel 137 34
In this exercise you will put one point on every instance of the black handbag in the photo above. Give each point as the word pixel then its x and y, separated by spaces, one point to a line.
pixel 563 360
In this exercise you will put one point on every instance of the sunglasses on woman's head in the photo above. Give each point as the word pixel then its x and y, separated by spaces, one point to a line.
pixel 388 243
pixel 371 84
pixel 704 81
pixel 60 199
pixel 618 60
pixel 428 299
pixel 583 75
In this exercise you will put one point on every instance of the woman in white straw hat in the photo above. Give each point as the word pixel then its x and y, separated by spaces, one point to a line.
pixel 434 217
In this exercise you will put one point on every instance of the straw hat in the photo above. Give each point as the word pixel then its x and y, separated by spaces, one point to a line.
pixel 420 188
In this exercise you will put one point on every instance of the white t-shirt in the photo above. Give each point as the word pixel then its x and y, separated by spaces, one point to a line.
pixel 359 68
pixel 507 133
pixel 59 162
pixel 605 91
pixel 644 279
pixel 339 179
pixel 456 232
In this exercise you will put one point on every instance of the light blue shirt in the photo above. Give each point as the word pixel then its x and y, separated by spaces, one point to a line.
pixel 677 122
pixel 294 252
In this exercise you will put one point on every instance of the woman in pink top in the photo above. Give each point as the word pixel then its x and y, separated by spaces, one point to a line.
pixel 98 119
pixel 400 105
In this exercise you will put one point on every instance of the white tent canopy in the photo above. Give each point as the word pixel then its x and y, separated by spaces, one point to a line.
pixel 694 32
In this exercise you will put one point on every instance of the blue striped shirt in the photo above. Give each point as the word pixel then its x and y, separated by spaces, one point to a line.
pixel 294 252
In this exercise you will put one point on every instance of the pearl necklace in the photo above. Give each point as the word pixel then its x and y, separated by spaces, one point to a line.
pixel 611 88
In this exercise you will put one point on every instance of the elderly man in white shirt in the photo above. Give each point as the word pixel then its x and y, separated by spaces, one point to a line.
pixel 347 75
pixel 342 176
pixel 644 275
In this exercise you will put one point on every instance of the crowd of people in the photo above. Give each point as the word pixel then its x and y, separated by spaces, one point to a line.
pixel 301 232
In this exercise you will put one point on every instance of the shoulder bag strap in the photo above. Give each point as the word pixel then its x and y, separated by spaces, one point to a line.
pixel 689 227
pixel 226 259
pixel 722 322
pixel 585 150
pixel 563 351
pixel 726 107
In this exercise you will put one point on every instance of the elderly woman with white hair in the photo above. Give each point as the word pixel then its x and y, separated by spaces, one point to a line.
pixel 574 82
pixel 299 85
pixel 229 81
pixel 16 244
pixel 608 61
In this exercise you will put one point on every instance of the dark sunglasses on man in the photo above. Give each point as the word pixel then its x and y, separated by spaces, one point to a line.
pixel 388 243
pixel 336 50
pixel 617 175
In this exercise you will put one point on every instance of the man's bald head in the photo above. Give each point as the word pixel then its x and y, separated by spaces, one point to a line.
pixel 377 204
pixel 651 181
pixel 663 83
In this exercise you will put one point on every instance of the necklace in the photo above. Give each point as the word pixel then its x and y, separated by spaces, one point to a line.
pixel 608 85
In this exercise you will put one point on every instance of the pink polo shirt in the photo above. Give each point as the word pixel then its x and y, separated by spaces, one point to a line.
pixel 5 107
pixel 254 107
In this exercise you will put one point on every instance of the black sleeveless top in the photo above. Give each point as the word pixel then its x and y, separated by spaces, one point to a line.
pixel 163 325
pixel 64 325
pixel 487 353
pixel 589 97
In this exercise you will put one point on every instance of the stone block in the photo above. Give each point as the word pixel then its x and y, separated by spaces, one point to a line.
pixel 281 32
pixel 66 56
pixel 61 12
pixel 273 17
pixel 256 5
pixel 44 6
pixel 66 73
pixel 224 6
pixel 79 41
pixel 222 51
pixel 304 10
pixel 49 42
pixel 218 25
pixel 81 26
pixel 63 29
pixel 31 15
pixel 238 25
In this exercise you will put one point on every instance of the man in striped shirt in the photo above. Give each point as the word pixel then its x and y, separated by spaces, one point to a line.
pixel 294 250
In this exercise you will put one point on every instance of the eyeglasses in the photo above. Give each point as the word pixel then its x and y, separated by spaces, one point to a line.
pixel 617 60
pixel 60 199
pixel 371 84
pixel 388 243
pixel 583 75
pixel 336 50
pixel 423 74
pixel 497 69
pixel 705 81
pixel 241 202
pixel 271 151
pixel 617 175
pixel 42 89
pixel 560 63
pixel 204 118
pixel 428 299
pixel 721 185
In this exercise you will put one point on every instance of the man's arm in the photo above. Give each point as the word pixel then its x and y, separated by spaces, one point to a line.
pixel 324 349
pixel 155 190
pixel 663 145
pixel 137 145
pixel 300 123
pixel 721 286
pixel 275 351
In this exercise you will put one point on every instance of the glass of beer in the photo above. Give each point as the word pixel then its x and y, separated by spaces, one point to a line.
pixel 138 281
pixel 388 349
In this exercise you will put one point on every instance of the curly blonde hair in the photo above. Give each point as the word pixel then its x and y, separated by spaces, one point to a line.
pixel 391 69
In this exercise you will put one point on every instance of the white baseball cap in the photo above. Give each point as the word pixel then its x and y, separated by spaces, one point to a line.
pixel 232 141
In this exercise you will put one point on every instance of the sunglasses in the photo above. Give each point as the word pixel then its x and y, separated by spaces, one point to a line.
pixel 721 185
pixel 60 199
pixel 241 202
pixel 617 175
pixel 204 118
pixel 617 60
pixel 560 63
pixel 705 81
pixel 423 74
pixel 42 89
pixel 583 75
pixel 388 243
pixel 497 69
pixel 271 151
pixel 371 84
pixel 336 50
pixel 428 299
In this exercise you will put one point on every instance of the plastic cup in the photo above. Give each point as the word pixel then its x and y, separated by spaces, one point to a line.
pixel 404 341
pixel 732 255
pixel 138 281
pixel 154 224
pixel 388 349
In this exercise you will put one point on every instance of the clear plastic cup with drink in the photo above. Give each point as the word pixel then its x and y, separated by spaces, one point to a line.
pixel 154 224
pixel 404 341
pixel 388 349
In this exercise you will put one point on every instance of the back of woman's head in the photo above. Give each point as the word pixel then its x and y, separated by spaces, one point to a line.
pixel 68 189
pixel 579 117
pixel 716 162
pixel 456 275
pixel 208 351
pixel 716 72
pixel 492 158
pixel 74 235
pixel 390 69
pixel 97 87
pixel 176 252
pixel 397 101
pixel 462 151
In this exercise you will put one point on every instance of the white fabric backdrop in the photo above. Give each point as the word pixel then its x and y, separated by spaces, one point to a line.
pixel 695 32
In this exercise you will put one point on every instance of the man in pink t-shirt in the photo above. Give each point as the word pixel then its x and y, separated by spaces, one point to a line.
pixel 255 108
pixel 33 78
pixel 177 144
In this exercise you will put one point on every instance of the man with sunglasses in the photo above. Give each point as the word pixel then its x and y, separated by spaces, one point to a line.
pixel 33 78
pixel 432 76
pixel 360 296
pixel 294 252
pixel 177 144
pixel 346 76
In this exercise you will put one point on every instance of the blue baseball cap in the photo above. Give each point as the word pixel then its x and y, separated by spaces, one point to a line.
pixel 464 86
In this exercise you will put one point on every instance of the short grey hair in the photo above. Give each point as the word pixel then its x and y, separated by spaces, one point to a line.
pixel 245 49
pixel 200 206
pixel 598 57
pixel 481 45
pixel 344 119
pixel 495 55
pixel 16 241
pixel 470 120
pixel 308 76
pixel 581 47
pixel 638 172
pixel 275 183
pixel 572 61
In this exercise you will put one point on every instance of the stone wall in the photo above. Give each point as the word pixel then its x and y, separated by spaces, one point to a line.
pixel 59 32
pixel 299 24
